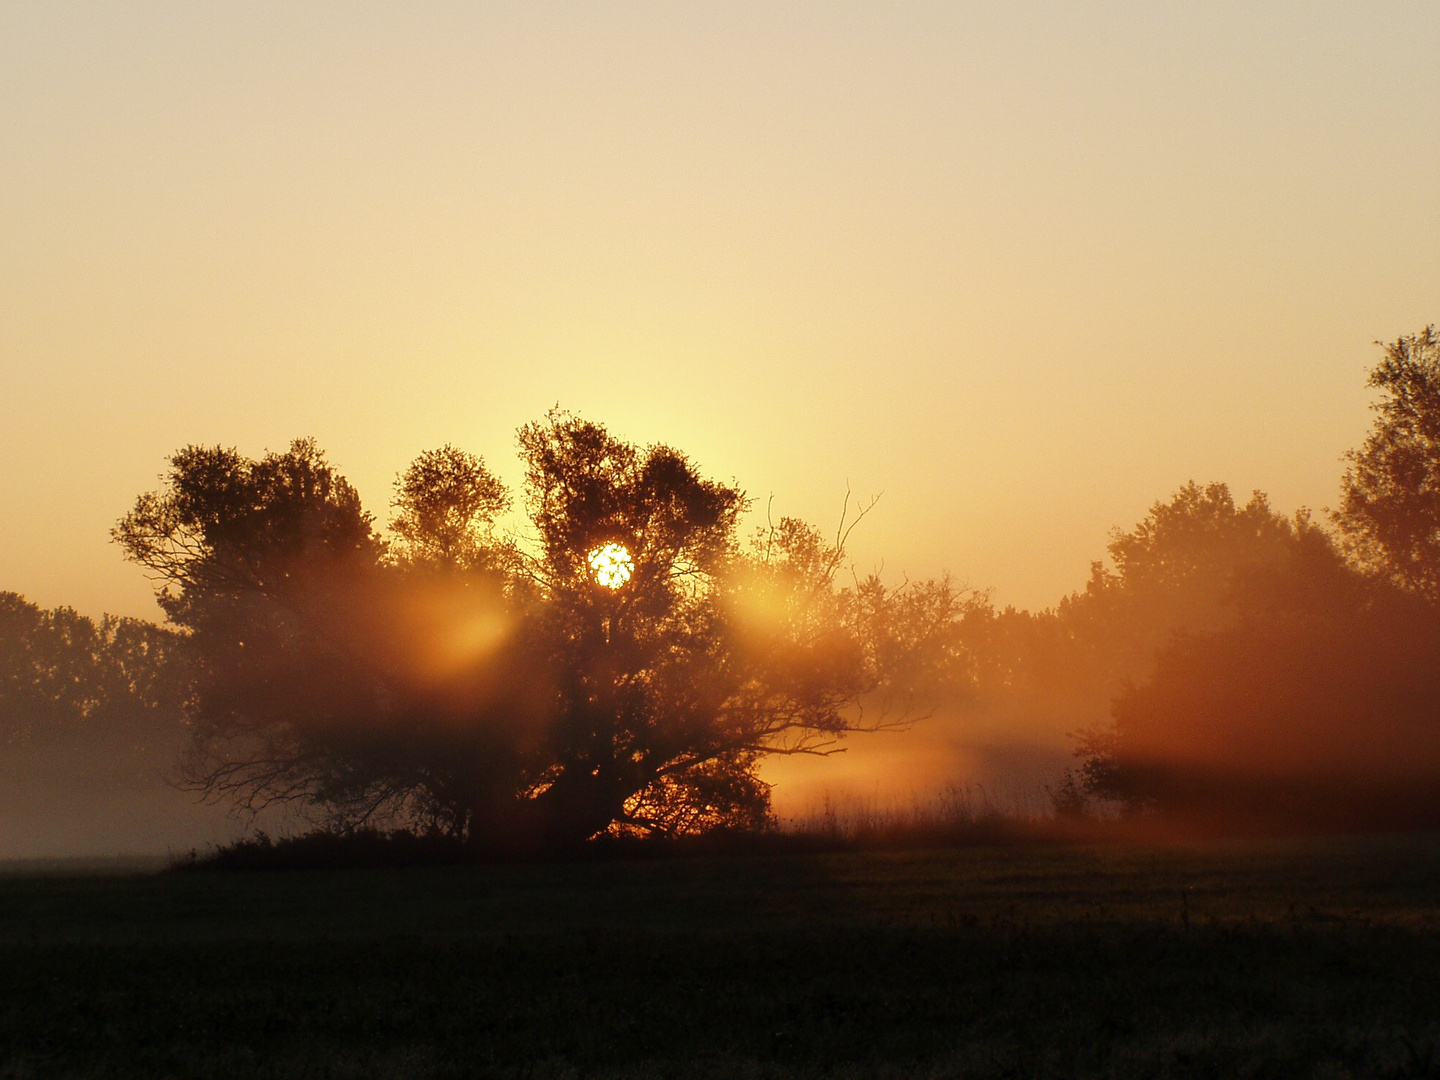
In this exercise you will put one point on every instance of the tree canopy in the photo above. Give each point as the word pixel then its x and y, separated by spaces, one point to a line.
pixel 622 661
pixel 1313 705
pixel 1314 701
pixel 1390 506
pixel 1188 565
pixel 495 690
pixel 67 681
pixel 446 504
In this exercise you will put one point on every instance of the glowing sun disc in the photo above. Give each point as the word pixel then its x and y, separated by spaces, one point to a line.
pixel 611 564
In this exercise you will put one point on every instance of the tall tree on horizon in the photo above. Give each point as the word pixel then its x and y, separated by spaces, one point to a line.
pixel 627 670
pixel 1390 507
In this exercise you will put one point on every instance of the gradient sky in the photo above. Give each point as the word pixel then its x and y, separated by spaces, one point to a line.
pixel 1024 268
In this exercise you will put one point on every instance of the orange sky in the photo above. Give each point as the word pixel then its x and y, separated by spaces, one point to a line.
pixel 1023 267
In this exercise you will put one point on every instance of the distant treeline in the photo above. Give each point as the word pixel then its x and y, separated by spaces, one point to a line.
pixel 68 682
pixel 1228 667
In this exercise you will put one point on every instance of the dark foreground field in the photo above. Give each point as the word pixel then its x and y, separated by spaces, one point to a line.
pixel 1317 959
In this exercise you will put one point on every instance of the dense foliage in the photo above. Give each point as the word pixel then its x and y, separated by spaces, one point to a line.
pixel 1390 510
pixel 462 683
pixel 1316 705
pixel 1310 698
pixel 67 681
pixel 1180 569
pixel 499 687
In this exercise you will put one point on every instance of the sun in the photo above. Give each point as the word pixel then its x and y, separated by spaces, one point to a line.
pixel 611 564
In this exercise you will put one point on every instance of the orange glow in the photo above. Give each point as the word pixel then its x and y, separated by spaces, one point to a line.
pixel 448 630
pixel 795 246
pixel 1023 268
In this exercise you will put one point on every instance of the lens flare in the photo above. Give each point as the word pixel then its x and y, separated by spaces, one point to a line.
pixel 611 565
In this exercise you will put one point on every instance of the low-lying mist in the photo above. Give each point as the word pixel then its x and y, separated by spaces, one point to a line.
pixel 1228 667
pixel 636 669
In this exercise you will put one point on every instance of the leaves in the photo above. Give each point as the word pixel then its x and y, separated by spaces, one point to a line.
pixel 66 680
pixel 446 504
pixel 1390 509
pixel 497 691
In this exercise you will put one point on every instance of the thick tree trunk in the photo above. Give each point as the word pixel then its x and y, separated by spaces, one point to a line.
pixel 564 816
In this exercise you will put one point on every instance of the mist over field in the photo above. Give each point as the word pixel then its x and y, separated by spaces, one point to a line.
pixel 635 669
pixel 781 540
pixel 71 804
pixel 488 396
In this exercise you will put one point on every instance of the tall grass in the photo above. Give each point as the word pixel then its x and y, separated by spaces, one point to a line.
pixel 955 813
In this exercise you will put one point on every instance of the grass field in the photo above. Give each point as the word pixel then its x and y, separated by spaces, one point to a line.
pixel 1267 960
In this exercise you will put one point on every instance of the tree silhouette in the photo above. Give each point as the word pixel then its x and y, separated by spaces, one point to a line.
pixel 68 682
pixel 1186 566
pixel 502 693
pixel 1312 704
pixel 1196 567
pixel 1390 509
pixel 269 569
pixel 445 504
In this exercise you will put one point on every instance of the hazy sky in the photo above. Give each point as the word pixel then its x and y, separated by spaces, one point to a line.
pixel 1025 268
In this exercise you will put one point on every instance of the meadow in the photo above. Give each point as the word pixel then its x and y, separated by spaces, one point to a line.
pixel 1264 959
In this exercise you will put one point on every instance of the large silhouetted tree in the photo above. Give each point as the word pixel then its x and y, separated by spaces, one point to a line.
pixel 269 569
pixel 1390 509
pixel 505 693
pixel 1317 704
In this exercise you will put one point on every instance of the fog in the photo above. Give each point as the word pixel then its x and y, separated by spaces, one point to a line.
pixel 56 803
pixel 1227 667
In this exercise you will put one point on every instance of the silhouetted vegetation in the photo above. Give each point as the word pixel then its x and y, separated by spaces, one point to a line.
pixel 91 727
pixel 621 668
pixel 67 681
pixel 461 684
pixel 956 816
pixel 1315 703
pixel 1296 719
pixel 1390 512
pixel 1181 569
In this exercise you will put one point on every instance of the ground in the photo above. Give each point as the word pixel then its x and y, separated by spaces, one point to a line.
pixel 1309 959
